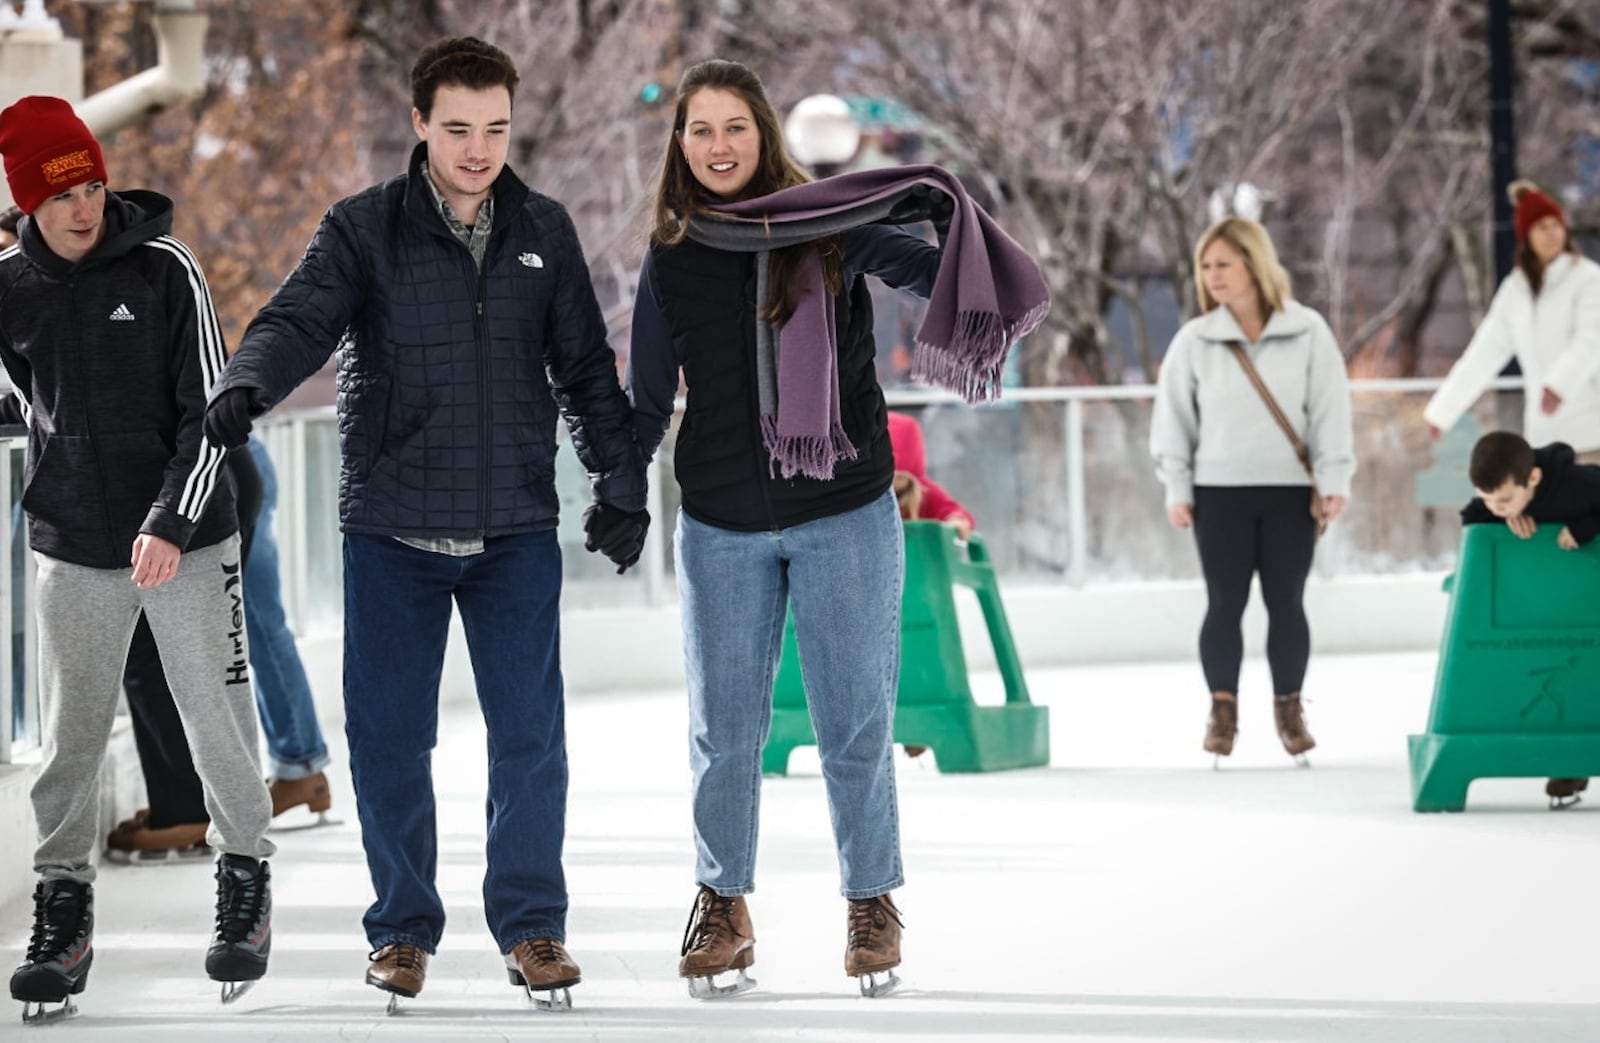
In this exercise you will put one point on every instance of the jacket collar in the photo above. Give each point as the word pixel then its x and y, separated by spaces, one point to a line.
pixel 510 193
pixel 1219 325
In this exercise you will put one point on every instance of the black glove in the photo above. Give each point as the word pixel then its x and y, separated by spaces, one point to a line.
pixel 227 421
pixel 616 533
pixel 941 210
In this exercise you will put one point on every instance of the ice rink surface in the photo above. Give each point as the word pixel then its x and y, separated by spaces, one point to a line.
pixel 1126 893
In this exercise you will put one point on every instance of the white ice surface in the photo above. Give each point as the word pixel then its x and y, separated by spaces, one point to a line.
pixel 1128 893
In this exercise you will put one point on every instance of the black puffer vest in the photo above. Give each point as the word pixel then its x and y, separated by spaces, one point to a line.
pixel 723 469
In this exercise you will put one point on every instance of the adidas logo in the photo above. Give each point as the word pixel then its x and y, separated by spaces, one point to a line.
pixel 530 260
pixel 122 314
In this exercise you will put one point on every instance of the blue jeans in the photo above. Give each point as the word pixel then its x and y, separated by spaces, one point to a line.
pixel 843 576
pixel 397 619
pixel 283 695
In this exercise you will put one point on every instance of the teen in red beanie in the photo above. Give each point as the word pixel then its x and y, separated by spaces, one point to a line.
pixel 47 149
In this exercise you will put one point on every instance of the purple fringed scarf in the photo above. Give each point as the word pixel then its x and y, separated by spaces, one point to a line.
pixel 988 292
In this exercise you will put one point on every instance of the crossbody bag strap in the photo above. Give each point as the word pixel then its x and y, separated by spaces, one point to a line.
pixel 1300 448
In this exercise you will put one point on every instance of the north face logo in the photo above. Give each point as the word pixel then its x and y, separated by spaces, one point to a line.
pixel 122 314
pixel 532 260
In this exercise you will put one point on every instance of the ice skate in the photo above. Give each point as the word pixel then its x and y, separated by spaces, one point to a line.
pixel 542 965
pixel 1563 793
pixel 135 842
pixel 310 792
pixel 398 969
pixel 717 940
pixel 1221 727
pixel 1289 714
pixel 872 951
pixel 243 940
pixel 60 953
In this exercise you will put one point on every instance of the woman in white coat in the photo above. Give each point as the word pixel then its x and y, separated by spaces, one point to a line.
pixel 1546 315
pixel 1234 476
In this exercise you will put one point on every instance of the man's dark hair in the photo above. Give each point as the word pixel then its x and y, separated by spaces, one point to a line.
pixel 1498 456
pixel 459 61
pixel 9 217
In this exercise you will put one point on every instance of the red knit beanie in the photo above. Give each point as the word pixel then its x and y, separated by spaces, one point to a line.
pixel 47 149
pixel 1532 206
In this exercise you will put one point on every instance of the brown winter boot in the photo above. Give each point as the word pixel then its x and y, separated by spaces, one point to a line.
pixel 718 938
pixel 1563 793
pixel 1223 724
pixel 1291 720
pixel 873 944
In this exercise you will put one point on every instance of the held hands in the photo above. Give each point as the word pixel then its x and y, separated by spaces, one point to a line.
pixel 616 533
pixel 154 561
pixel 1181 515
pixel 227 421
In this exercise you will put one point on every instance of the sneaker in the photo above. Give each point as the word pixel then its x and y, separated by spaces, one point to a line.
pixel 312 791
pixel 399 968
pixel 1222 725
pixel 243 937
pixel 1291 718
pixel 62 947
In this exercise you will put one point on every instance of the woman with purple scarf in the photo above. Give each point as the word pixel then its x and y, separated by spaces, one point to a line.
pixel 753 286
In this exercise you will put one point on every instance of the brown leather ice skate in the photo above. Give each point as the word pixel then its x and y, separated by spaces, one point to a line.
pixel 398 968
pixel 873 943
pixel 1289 714
pixel 718 938
pixel 543 965
pixel 1563 793
pixel 135 840
pixel 1223 724
pixel 312 791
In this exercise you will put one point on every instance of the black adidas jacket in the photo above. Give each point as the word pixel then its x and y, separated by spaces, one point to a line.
pixel 113 358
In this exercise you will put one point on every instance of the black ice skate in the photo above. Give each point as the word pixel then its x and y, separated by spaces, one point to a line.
pixel 239 948
pixel 57 964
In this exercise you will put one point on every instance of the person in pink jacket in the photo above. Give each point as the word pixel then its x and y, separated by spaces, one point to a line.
pixel 911 457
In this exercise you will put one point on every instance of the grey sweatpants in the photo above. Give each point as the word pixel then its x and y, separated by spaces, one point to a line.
pixel 86 621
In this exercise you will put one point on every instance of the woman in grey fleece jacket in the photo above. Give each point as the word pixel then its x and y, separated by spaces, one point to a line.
pixel 1231 473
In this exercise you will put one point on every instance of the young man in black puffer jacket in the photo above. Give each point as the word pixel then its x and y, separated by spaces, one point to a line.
pixel 469 327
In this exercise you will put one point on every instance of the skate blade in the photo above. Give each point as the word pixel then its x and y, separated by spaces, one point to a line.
pixel 705 987
pixel 394 1006
pixel 163 856
pixel 232 990
pixel 878 983
pixel 1563 803
pixel 39 1013
pixel 555 1000
pixel 300 823
pixel 1302 761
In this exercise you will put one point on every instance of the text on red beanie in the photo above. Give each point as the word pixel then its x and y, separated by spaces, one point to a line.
pixel 1532 207
pixel 47 150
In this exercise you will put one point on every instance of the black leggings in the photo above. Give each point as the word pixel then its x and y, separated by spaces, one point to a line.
pixel 1242 530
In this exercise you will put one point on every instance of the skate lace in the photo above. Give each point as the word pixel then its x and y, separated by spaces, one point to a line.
pixel 867 917
pixel 57 920
pixel 711 916
pixel 1291 717
pixel 403 957
pixel 239 904
pixel 545 950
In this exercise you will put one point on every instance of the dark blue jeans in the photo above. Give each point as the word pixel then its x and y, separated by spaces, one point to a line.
pixel 397 618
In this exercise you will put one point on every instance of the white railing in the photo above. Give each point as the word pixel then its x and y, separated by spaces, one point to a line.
pixel 1089 513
